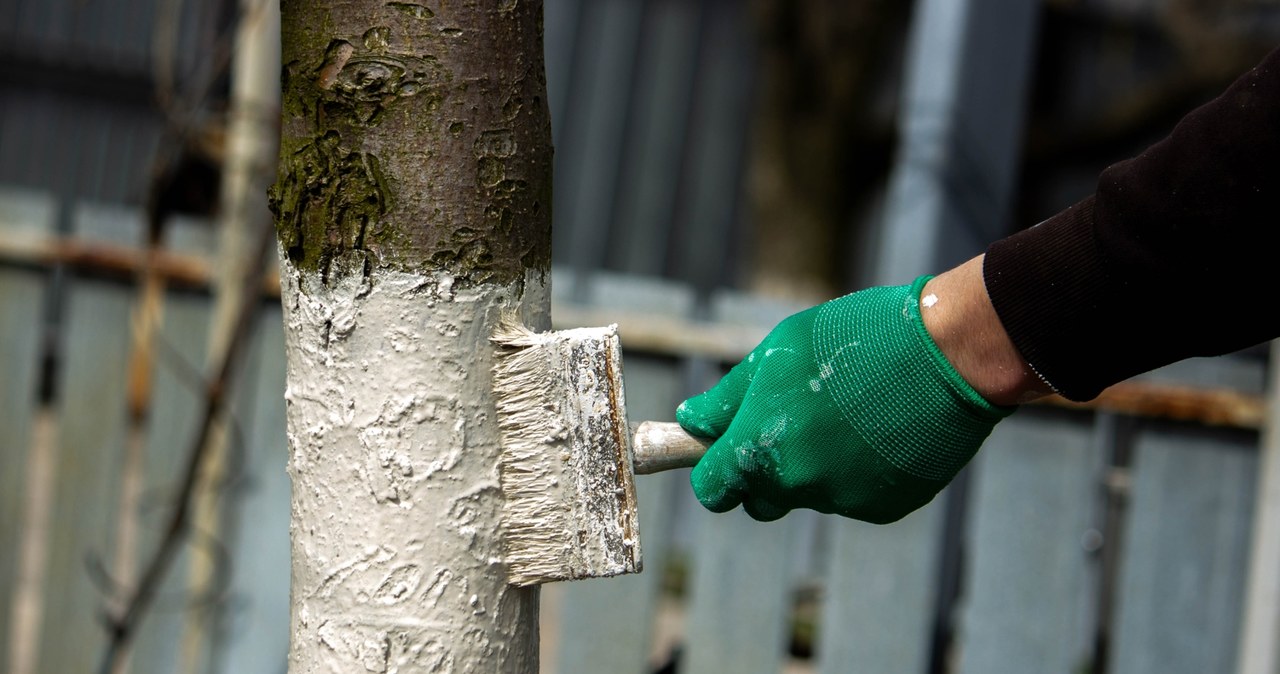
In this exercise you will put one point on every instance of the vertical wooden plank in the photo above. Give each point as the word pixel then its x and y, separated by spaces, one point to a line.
pixel 963 98
pixel 576 95
pixel 605 625
pixel 717 141
pixel 1029 581
pixel 639 240
pixel 880 595
pixel 610 70
pixel 22 302
pixel 558 28
pixel 1260 634
pixel 256 637
pixel 175 408
pixel 740 594
pixel 742 570
pixel 1184 559
pixel 90 420
pixel 962 109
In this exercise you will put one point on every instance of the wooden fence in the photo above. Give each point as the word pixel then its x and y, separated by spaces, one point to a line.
pixel 1082 538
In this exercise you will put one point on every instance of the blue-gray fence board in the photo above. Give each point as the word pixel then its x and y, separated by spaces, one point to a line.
pixel 1030 581
pixel 90 422
pixel 739 598
pixel 21 312
pixel 741 594
pixel 95 346
pixel 961 118
pixel 606 625
pixel 707 215
pixel 21 299
pixel 878 603
pixel 1185 552
pixel 175 406
pixel 587 176
pixel 664 83
pixel 560 29
pixel 254 636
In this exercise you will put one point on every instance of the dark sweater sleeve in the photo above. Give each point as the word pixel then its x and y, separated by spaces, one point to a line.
pixel 1170 258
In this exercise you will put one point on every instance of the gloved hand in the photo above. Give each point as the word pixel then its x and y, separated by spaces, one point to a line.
pixel 848 407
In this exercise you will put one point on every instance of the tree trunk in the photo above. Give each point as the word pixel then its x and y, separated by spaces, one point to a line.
pixel 413 208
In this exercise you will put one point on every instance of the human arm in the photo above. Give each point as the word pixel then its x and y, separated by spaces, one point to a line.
pixel 1170 258
pixel 1160 264
pixel 958 315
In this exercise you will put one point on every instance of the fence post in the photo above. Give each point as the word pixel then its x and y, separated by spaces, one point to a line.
pixel 1260 631
pixel 948 195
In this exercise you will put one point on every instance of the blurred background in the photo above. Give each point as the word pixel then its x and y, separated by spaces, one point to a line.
pixel 719 165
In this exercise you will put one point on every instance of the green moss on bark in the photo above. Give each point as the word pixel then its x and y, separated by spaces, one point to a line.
pixel 417 134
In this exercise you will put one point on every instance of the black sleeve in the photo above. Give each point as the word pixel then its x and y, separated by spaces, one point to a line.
pixel 1170 258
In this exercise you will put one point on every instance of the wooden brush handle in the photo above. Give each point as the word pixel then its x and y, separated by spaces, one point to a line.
pixel 662 446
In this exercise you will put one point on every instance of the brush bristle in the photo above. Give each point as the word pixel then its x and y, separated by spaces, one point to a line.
pixel 570 507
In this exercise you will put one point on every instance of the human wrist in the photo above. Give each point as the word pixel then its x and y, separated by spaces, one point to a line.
pixel 959 317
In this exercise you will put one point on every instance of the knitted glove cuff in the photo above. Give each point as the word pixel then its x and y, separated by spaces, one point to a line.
pixel 893 385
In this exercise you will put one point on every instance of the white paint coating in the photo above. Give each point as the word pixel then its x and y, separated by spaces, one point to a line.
pixel 929 300
pixel 397 563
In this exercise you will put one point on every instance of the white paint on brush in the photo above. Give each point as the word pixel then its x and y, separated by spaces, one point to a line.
pixel 570 509
pixel 397 551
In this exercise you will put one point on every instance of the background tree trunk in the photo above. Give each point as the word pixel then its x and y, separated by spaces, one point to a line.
pixel 822 142
pixel 413 208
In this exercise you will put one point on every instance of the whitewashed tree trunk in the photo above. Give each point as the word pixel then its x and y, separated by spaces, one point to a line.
pixel 413 209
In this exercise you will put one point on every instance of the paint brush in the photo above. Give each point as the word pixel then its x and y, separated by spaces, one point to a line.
pixel 569 456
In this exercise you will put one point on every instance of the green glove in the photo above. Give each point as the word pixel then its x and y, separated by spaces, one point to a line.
pixel 848 407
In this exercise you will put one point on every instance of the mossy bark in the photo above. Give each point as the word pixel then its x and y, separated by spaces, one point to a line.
pixel 418 133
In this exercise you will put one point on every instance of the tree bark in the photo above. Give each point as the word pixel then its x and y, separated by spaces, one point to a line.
pixel 413 208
